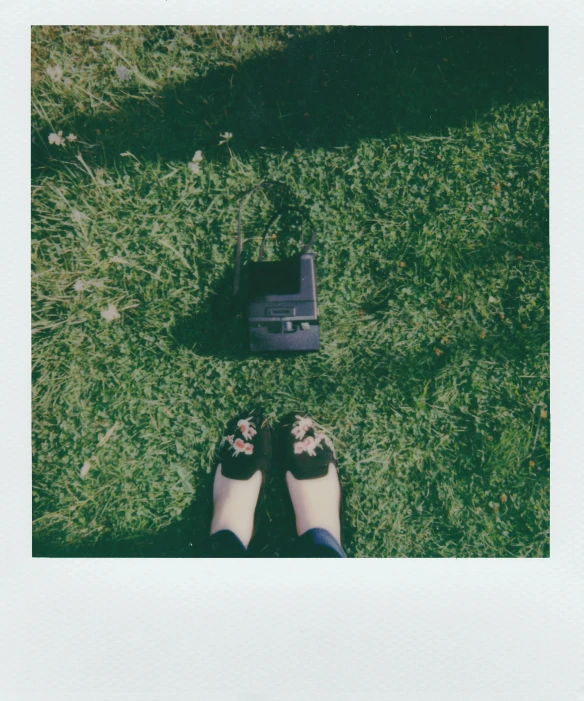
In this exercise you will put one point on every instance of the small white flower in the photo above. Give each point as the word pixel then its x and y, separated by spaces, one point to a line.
pixel 195 168
pixel 298 448
pixel 227 136
pixel 197 157
pixel 79 286
pixel 57 138
pixel 77 216
pixel 71 137
pixel 55 73
pixel 248 448
pixel 123 73
pixel 110 313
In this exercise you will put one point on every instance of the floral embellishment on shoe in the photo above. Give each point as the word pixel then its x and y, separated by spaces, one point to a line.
pixel 298 448
pixel 309 444
pixel 238 444
pixel 301 426
pixel 247 428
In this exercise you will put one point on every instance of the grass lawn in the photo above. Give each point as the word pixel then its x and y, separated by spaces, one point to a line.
pixel 420 158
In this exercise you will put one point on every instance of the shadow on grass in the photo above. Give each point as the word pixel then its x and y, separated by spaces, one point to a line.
pixel 187 536
pixel 218 327
pixel 328 90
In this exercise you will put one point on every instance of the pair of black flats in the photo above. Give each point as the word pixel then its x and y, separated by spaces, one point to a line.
pixel 302 447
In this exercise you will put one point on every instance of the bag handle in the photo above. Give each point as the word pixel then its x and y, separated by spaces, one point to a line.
pixel 276 215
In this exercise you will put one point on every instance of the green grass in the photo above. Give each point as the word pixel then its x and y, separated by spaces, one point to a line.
pixel 419 156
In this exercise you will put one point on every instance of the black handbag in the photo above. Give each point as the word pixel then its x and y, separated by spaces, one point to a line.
pixel 281 307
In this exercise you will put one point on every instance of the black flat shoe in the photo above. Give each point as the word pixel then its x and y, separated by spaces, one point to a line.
pixel 245 448
pixel 305 449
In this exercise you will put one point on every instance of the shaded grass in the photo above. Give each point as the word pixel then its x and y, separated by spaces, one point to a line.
pixel 433 284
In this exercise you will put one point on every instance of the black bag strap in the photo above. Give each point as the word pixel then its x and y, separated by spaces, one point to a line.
pixel 273 218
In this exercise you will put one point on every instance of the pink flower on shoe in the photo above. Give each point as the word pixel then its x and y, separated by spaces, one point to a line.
pixel 302 425
pixel 297 433
pixel 298 448
pixel 309 445
pixel 247 430
pixel 238 445
pixel 248 448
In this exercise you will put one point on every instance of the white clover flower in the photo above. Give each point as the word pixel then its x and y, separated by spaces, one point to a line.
pixel 71 137
pixel 79 285
pixel 227 136
pixel 55 73
pixel 110 313
pixel 85 469
pixel 123 73
pixel 195 164
pixel 57 138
